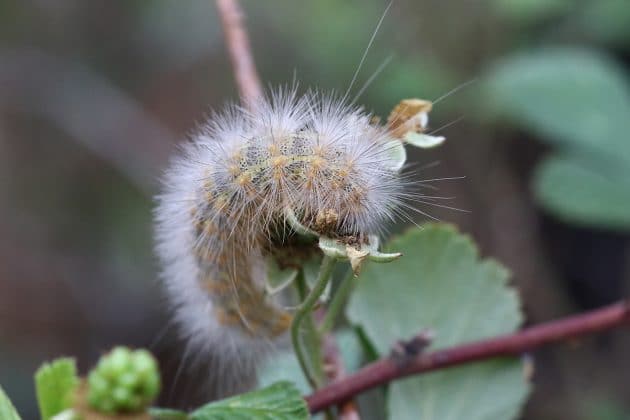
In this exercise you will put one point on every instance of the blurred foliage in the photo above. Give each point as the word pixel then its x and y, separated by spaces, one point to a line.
pixel 579 101
pixel 54 383
pixel 531 11
pixel 604 409
pixel 7 411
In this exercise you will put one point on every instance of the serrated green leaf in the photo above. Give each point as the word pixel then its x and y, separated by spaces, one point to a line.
pixel 54 383
pixel 583 194
pixel 571 97
pixel 7 410
pixel 490 390
pixel 281 401
pixel 441 284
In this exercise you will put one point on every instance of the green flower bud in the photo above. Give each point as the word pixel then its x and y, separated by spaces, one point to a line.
pixel 123 381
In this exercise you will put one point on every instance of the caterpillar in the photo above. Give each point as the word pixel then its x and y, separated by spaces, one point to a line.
pixel 224 207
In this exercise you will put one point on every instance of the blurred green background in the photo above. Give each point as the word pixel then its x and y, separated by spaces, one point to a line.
pixel 94 96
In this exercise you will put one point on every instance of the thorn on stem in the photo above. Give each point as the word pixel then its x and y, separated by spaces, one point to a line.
pixel 404 351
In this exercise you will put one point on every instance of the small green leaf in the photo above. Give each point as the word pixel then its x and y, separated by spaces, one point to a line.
pixel 69 414
pixel 583 193
pixel 441 284
pixel 281 401
pixel 356 254
pixel 332 247
pixel 54 384
pixel 294 223
pixel 397 153
pixel 167 414
pixel 423 141
pixel 310 268
pixel 277 278
pixel 7 411
pixel 578 100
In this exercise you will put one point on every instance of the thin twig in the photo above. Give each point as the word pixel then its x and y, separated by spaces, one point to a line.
pixel 387 369
pixel 237 43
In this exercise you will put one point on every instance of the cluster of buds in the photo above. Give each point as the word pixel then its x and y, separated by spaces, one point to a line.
pixel 123 381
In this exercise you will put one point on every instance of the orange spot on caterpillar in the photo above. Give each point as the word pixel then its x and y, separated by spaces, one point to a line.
pixel 317 163
pixel 234 170
pixel 227 316
pixel 245 179
pixel 281 324
pixel 215 287
pixel 279 161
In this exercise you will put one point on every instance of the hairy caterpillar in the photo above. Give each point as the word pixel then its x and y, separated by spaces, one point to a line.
pixel 248 187
pixel 225 203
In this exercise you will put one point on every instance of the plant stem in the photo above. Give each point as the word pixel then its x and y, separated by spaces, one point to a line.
pixel 312 340
pixel 303 312
pixel 237 42
pixel 337 303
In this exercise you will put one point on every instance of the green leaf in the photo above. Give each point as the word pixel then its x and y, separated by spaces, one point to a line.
pixel 350 349
pixel 489 390
pixel 579 101
pixel 584 194
pixel 167 414
pixel 441 284
pixel 423 141
pixel 531 11
pixel 607 20
pixel 54 384
pixel 397 154
pixel 283 366
pixel 278 279
pixel 570 97
pixel 7 411
pixel 281 401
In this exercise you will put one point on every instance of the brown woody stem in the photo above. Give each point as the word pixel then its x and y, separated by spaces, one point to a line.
pixel 237 43
pixel 386 370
